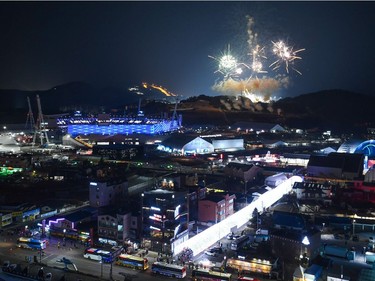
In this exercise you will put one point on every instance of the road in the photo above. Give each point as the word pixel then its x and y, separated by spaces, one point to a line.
pixel 348 268
pixel 88 270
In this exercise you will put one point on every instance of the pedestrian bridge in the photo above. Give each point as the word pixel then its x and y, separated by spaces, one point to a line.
pixel 210 236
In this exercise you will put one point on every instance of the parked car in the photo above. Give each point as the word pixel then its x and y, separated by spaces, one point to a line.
pixel 371 239
pixel 217 250
pixel 211 253
pixel 232 236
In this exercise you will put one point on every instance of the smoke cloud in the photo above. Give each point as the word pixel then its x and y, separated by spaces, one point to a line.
pixel 256 89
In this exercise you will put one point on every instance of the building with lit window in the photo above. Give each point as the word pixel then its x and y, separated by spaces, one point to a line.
pixel 5 219
pixel 184 144
pixel 215 208
pixel 165 219
pixel 253 265
pixel 116 227
pixel 103 192
pixel 292 245
pixel 23 212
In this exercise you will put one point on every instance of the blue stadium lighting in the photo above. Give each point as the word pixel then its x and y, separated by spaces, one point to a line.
pixel 121 126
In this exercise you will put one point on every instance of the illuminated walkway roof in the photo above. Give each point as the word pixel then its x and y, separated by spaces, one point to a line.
pixel 210 236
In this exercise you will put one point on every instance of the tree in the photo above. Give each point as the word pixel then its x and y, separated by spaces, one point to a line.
pixel 254 221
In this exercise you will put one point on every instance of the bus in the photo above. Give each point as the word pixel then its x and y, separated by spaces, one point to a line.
pixel 31 243
pixel 247 278
pixel 106 255
pixel 239 242
pixel 208 275
pixel 254 265
pixel 132 261
pixel 171 270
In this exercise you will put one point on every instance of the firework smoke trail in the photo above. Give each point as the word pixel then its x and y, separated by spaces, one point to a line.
pixel 256 52
pixel 252 37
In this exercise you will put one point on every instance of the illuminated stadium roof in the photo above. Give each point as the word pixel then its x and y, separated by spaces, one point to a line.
pixel 366 147
pixel 118 126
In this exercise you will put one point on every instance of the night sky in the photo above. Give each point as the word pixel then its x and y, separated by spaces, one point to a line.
pixel 119 44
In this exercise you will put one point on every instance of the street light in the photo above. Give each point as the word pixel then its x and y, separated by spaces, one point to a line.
pixel 303 255
pixel 64 230
pixel 353 227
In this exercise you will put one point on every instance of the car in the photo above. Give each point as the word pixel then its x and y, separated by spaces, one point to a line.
pixel 355 238
pixel 217 250
pixel 371 239
pixel 232 236
pixel 48 276
pixel 210 253
pixel 338 236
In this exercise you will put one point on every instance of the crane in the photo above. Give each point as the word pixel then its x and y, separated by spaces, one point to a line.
pixel 40 129
pixel 30 116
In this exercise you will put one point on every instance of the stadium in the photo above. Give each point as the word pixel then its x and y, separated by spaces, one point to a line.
pixel 104 124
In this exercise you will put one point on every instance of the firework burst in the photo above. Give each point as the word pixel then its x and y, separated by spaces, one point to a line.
pixel 244 77
pixel 285 55
pixel 258 54
pixel 228 65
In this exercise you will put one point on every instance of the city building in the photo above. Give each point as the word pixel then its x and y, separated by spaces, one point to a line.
pixel 195 194
pixel 186 145
pixel 293 245
pixel 215 208
pixel 72 225
pixel 191 144
pixel 336 165
pixel 23 212
pixel 245 172
pixel 105 192
pixel 227 144
pixel 295 159
pixel 116 226
pixel 5 219
pixel 165 218
pixel 118 151
pixel 275 180
pixel 311 190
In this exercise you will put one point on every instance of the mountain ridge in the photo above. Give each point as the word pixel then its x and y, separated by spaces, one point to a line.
pixel 323 109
